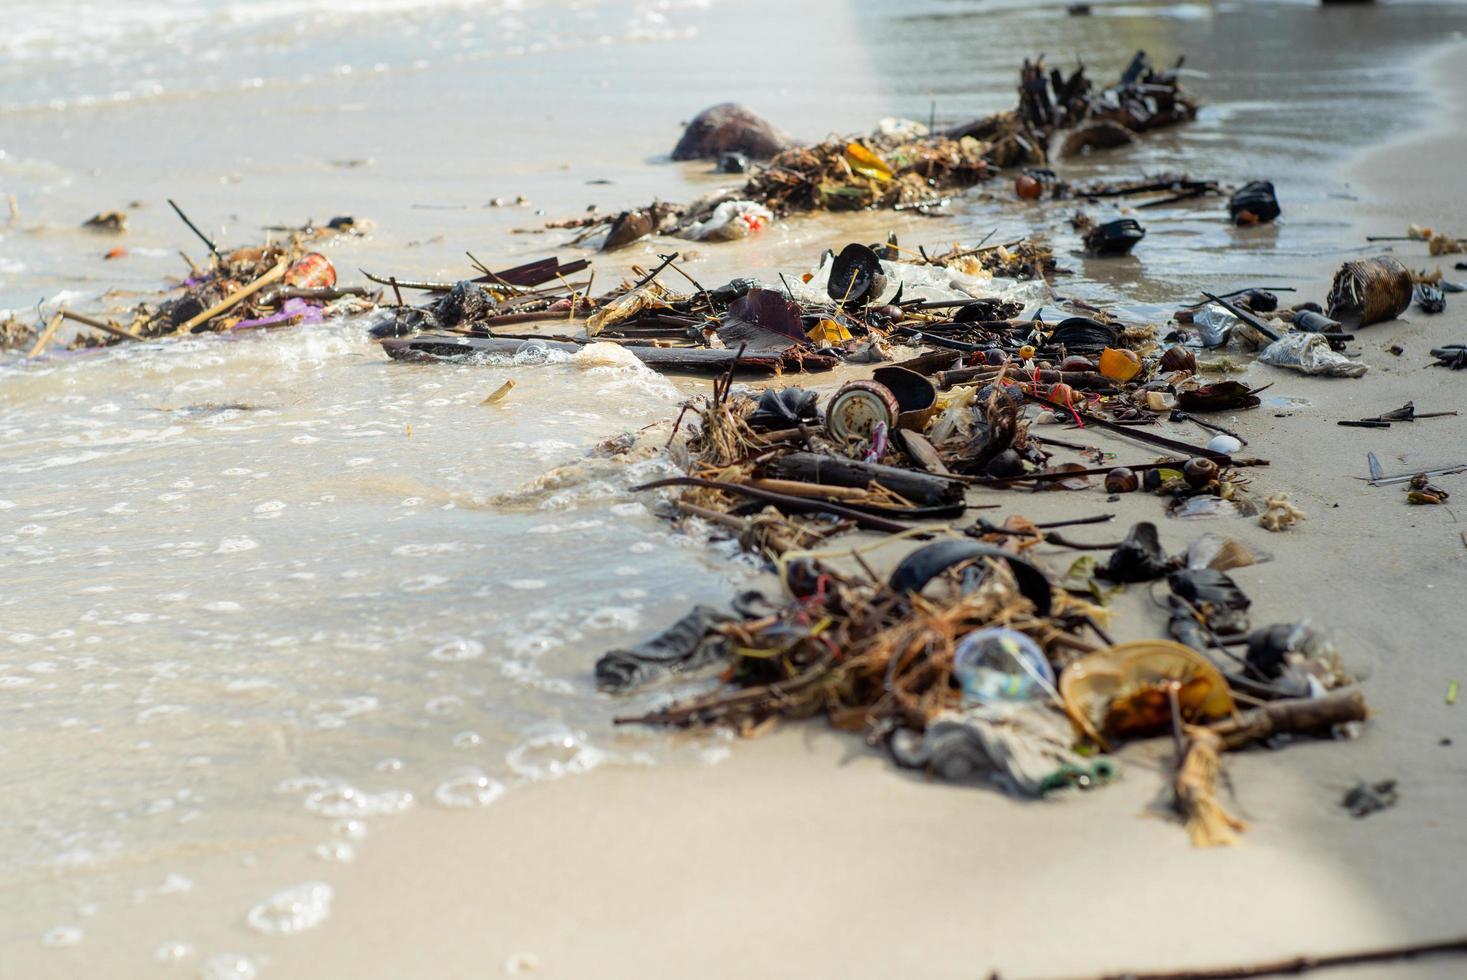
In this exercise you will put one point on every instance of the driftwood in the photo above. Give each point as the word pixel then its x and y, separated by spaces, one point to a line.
pixel 432 347
pixel 785 502
pixel 1302 964
pixel 923 489
pixel 1291 717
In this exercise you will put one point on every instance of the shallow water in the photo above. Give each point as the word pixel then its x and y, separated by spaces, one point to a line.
pixel 258 593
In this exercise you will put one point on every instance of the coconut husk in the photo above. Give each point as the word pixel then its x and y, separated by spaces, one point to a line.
pixel 1368 291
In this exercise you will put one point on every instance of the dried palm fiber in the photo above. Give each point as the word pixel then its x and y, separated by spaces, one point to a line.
pixel 1208 824
pixel 1368 291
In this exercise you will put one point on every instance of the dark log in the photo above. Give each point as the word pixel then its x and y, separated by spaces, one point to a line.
pixel 922 489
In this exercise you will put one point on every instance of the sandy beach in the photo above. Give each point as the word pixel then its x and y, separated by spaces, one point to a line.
pixel 802 853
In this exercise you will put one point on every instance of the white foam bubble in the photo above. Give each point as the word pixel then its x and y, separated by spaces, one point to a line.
pixel 293 910
pixel 229 966
pixel 338 851
pixel 468 788
pixel 454 650
pixel 173 951
pixel 228 546
pixel 344 800
pixel 552 753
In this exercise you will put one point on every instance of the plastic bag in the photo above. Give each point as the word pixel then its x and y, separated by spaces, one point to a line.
pixel 731 220
pixel 1310 353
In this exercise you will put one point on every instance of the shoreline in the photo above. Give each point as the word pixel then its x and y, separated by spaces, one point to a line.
pixel 801 830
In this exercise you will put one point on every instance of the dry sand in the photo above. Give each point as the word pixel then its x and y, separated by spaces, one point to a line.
pixel 805 854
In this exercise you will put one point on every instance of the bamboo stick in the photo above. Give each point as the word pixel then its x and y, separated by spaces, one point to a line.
pixel 46 335
pixel 103 325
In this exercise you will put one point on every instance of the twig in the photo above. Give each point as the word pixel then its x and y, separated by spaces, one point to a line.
pixel 1304 964
pixel 102 325
pixel 195 229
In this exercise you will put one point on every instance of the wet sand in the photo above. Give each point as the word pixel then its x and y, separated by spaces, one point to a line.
pixel 804 854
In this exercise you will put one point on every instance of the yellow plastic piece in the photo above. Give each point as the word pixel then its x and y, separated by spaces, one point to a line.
pixel 828 332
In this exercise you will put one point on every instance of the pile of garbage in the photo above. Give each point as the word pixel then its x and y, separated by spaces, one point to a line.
pixel 849 309
pixel 970 659
pixel 902 164
pixel 280 283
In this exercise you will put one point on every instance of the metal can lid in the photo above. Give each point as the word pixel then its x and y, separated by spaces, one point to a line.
pixel 856 409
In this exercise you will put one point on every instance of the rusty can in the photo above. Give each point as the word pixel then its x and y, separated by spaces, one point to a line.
pixel 313 271
pixel 856 409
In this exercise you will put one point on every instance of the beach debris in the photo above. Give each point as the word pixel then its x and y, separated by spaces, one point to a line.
pixel 109 222
pixel 1310 353
pixel 1028 749
pixel 1367 291
pixel 1254 203
pixel 1224 445
pixel 1293 966
pixel 499 393
pixel 730 220
pixel 1279 513
pixel 730 128
pixel 1420 490
pixel 1406 413
pixel 1194 786
pixel 1452 356
pixel 1429 298
pixel 1116 237
pixel 1364 798
pixel 686 645
pixel 1139 558
pixel 1220 396
pixel 1438 243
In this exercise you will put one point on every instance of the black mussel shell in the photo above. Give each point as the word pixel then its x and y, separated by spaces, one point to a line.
pixel 1079 333
pixel 853 276
pixel 985 310
pixel 930 561
pixel 1259 300
pixel 1257 199
pixel 1115 237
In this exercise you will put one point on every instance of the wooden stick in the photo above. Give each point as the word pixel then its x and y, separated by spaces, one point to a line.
pixel 103 325
pixel 1292 716
pixel 1304 964
pixel 796 488
pixel 195 229
pixel 244 292
pixel 46 335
